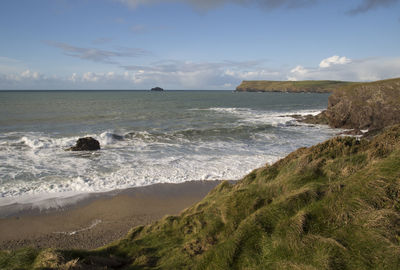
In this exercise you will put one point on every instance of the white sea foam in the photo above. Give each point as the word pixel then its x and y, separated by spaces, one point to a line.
pixel 267 117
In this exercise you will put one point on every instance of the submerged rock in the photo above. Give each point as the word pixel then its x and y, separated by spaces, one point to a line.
pixel 86 144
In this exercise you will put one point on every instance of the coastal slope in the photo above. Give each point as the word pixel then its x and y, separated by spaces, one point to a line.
pixel 290 86
pixel 335 205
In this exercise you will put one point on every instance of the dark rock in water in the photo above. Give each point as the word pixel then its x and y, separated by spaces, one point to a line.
pixel 319 119
pixel 86 144
pixel 157 89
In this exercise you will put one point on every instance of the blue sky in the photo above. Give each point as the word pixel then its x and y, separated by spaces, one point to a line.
pixel 191 44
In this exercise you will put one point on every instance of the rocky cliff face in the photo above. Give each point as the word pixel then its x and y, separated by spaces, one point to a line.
pixel 365 105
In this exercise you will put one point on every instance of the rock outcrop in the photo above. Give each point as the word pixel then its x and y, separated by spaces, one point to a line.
pixel 363 106
pixel 86 144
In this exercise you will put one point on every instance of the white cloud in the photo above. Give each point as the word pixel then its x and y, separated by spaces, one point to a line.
pixel 196 75
pixel 371 69
pixel 334 60
pixel 33 80
pixel 99 77
pixel 169 74
pixel 254 74
pixel 90 77
pixel 30 74
pixel 299 70
pixel 73 77
pixel 110 75
pixel 296 72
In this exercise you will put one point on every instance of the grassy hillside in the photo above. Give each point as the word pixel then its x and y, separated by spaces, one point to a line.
pixel 290 86
pixel 335 205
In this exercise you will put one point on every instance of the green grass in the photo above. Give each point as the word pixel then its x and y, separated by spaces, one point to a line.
pixel 335 205
pixel 23 258
pixel 291 86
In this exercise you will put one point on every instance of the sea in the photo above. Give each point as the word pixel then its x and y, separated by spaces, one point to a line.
pixel 146 138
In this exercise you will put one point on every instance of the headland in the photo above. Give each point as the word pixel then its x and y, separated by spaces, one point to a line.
pixel 291 86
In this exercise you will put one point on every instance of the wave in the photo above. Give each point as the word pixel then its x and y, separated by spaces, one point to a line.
pixel 250 122
pixel 107 138
pixel 36 167
pixel 40 141
pixel 272 118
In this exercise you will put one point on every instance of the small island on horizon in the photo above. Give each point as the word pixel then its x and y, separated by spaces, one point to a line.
pixel 157 89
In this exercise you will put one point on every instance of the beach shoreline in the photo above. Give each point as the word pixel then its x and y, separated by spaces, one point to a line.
pixel 96 219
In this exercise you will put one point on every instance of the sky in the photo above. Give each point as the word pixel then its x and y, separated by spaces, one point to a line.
pixel 194 44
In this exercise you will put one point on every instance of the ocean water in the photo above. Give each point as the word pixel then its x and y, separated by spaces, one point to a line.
pixel 146 138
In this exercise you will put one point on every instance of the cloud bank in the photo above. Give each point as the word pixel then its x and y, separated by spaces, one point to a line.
pixel 345 69
pixel 197 75
pixel 180 75
pixel 334 60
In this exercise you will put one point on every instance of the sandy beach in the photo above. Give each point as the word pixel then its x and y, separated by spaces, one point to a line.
pixel 100 218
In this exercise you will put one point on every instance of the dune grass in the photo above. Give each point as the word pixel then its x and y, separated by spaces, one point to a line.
pixel 335 205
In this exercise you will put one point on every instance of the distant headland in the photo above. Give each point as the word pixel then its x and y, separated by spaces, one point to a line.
pixel 291 86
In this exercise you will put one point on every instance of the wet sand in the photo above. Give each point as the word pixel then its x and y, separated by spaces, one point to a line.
pixel 100 218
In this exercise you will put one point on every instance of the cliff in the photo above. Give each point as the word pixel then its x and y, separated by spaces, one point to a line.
pixel 290 86
pixel 370 106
